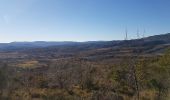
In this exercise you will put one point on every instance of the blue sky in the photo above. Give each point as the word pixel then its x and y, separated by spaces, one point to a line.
pixel 81 20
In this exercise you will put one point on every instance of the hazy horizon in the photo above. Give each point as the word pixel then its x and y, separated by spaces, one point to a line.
pixel 81 20
pixel 81 41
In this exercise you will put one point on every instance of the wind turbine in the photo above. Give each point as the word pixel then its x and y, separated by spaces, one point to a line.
pixel 144 32
pixel 126 34
pixel 138 36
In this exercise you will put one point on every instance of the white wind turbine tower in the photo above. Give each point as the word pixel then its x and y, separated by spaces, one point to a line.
pixel 138 36
pixel 126 34
pixel 144 32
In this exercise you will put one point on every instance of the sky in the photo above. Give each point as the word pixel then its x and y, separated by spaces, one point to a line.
pixel 82 20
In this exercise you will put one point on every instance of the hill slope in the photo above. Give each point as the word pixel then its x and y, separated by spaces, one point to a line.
pixel 96 49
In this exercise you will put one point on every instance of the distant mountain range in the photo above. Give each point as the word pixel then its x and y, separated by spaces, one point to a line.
pixel 28 45
pixel 148 42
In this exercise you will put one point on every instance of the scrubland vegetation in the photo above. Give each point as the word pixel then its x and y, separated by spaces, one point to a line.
pixel 130 78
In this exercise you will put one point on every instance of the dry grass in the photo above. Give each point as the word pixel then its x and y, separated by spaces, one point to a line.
pixel 29 64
